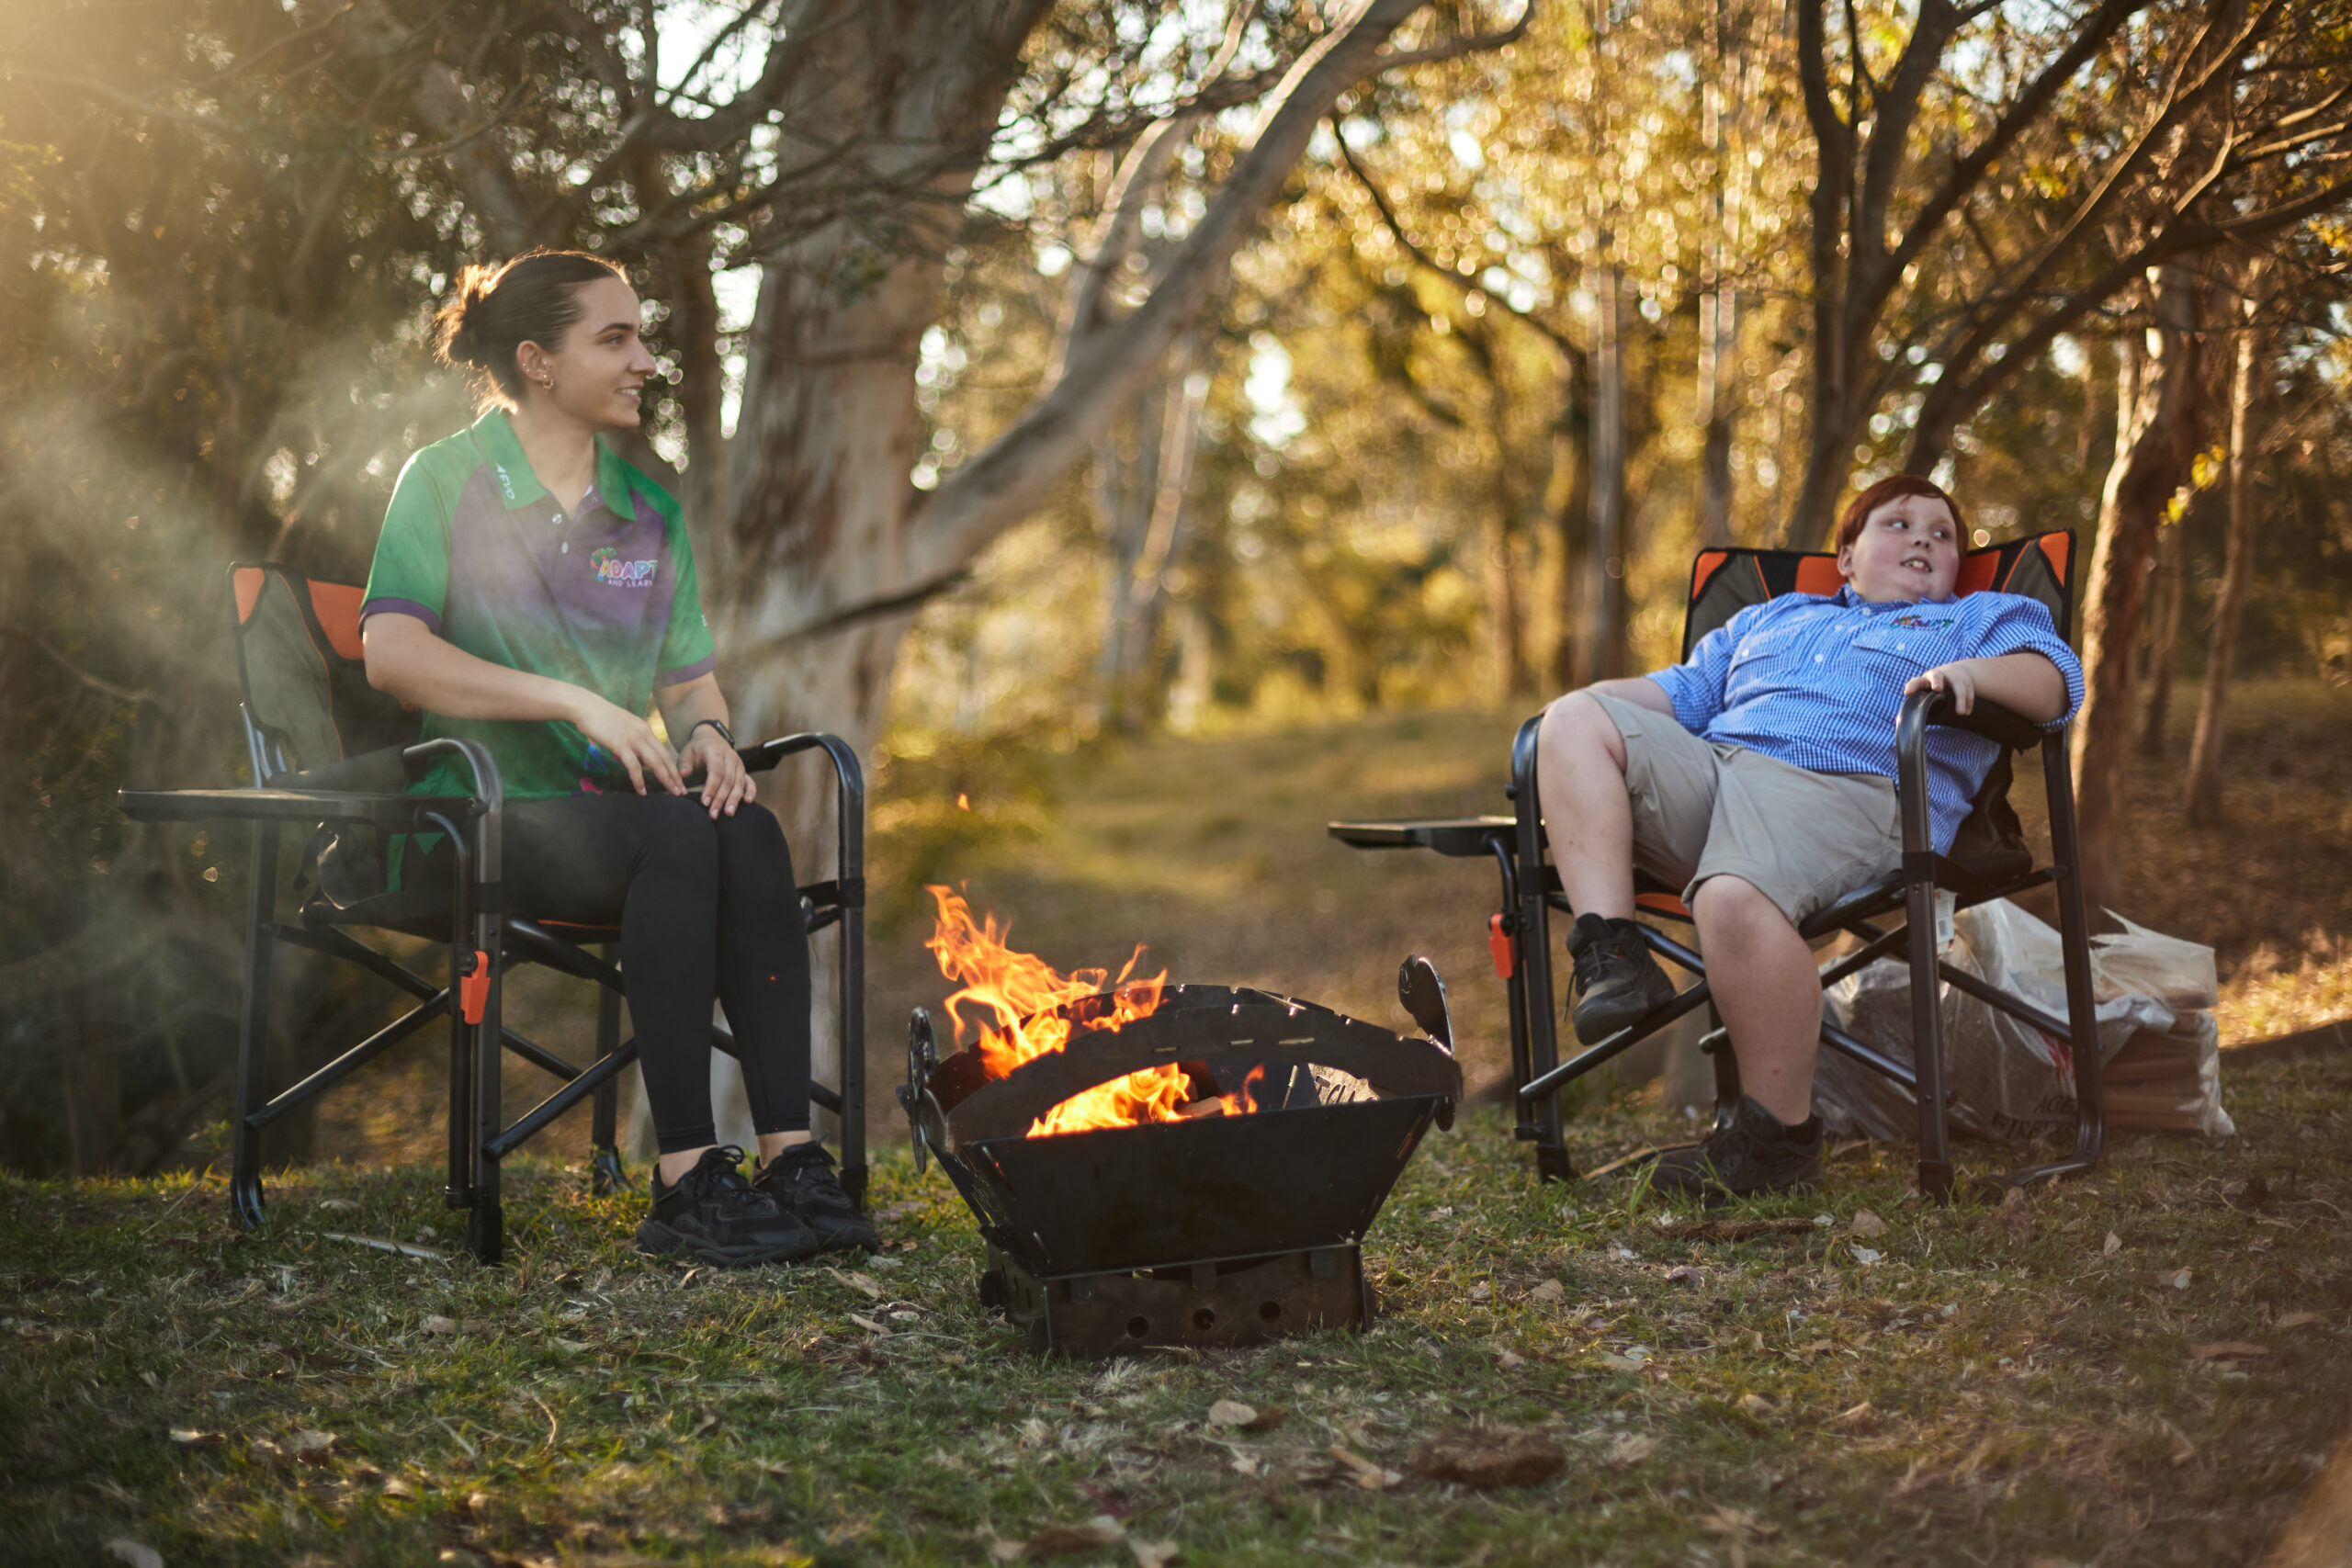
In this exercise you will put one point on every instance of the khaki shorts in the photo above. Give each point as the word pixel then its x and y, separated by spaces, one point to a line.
pixel 1803 839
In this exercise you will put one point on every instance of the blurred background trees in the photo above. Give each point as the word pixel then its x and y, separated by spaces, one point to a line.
pixel 1029 388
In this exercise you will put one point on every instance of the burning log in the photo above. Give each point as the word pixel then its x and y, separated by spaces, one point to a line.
pixel 1154 1163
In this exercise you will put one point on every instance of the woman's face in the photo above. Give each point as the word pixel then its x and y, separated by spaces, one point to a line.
pixel 597 374
pixel 1908 550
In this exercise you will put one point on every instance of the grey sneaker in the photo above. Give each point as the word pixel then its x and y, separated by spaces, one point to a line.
pixel 713 1213
pixel 802 1182
pixel 1617 981
pixel 1754 1154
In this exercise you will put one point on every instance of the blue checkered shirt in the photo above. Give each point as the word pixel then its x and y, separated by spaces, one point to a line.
pixel 1818 682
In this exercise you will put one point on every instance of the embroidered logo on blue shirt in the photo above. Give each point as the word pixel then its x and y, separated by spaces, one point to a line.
pixel 1921 622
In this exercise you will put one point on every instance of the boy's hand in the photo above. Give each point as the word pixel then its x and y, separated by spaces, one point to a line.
pixel 1956 678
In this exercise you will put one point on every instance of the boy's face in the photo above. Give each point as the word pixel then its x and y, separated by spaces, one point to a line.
pixel 1908 550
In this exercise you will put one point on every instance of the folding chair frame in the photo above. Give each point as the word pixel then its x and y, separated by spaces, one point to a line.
pixel 1521 939
pixel 485 938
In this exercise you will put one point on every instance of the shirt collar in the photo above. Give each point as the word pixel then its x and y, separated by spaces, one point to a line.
pixel 1847 599
pixel 519 486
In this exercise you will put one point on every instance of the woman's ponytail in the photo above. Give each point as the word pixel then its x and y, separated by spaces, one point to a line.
pixel 493 312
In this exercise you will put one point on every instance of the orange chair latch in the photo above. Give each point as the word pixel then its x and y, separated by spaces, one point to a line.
pixel 1498 942
pixel 473 991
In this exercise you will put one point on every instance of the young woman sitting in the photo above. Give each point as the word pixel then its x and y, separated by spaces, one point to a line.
pixel 535 592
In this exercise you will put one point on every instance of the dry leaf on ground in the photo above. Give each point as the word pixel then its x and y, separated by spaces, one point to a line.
pixel 1153 1554
pixel 1231 1412
pixel 1685 1275
pixel 2170 1278
pixel 137 1554
pixel 2227 1350
pixel 193 1439
pixel 1058 1540
pixel 1550 1290
pixel 1511 1359
pixel 2014 1218
pixel 1756 1404
pixel 2112 1246
pixel 310 1448
pixel 2299 1320
pixel 1853 1414
pixel 1631 1448
pixel 1488 1456
pixel 1362 1472
pixel 1867 1224
pixel 1266 1420
pixel 1737 1522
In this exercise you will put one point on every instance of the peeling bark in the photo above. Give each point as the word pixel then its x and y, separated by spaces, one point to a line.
pixel 2159 423
pixel 2205 750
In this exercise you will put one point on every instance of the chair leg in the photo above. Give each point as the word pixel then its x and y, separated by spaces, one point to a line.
pixel 1533 936
pixel 1928 1045
pixel 485 1219
pixel 605 1172
pixel 245 1200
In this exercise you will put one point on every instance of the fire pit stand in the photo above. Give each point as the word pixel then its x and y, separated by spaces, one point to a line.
pixel 1220 1230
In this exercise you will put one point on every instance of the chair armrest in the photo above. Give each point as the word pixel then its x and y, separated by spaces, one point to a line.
pixel 396 811
pixel 488 788
pixel 1988 718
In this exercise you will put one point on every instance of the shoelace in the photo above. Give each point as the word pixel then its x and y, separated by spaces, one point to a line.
pixel 717 1174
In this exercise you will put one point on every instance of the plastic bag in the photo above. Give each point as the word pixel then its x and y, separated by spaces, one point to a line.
pixel 2011 1081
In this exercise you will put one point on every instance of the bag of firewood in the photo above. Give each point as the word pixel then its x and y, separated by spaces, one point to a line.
pixel 2011 1082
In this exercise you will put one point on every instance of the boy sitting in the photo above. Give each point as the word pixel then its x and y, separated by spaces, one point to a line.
pixel 1759 775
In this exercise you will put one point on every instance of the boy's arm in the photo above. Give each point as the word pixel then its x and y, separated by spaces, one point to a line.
pixel 2026 683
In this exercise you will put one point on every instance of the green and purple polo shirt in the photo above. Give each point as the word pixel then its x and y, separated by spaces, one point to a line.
pixel 603 597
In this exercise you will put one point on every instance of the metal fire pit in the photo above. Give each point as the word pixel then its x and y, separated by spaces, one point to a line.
pixel 1220 1230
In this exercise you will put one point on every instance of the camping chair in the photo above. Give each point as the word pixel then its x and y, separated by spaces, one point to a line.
pixel 330 753
pixel 1989 860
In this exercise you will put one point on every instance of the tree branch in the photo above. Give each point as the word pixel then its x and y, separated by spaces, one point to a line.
pixel 1005 481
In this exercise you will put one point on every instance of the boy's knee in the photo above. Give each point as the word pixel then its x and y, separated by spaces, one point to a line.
pixel 1736 901
pixel 1578 726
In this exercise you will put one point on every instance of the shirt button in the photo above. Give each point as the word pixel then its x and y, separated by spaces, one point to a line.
pixel 1816 658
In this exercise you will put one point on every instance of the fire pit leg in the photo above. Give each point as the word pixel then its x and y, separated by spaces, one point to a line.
pixel 1245 1302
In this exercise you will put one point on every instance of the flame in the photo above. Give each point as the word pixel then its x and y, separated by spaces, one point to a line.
pixel 1019 993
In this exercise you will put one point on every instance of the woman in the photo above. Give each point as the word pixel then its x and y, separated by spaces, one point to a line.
pixel 535 592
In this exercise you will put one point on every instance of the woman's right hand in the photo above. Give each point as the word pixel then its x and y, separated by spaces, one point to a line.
pixel 628 740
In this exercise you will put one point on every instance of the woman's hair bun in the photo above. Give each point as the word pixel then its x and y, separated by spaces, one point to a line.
pixel 458 326
pixel 490 311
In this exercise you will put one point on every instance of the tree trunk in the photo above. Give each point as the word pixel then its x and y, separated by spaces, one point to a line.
pixel 831 550
pixel 2158 423
pixel 1603 655
pixel 1718 375
pixel 1571 509
pixel 2166 581
pixel 2237 571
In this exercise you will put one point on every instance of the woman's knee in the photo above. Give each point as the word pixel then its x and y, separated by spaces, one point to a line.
pixel 675 839
pixel 753 839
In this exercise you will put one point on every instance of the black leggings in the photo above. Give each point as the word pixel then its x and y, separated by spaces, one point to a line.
pixel 705 908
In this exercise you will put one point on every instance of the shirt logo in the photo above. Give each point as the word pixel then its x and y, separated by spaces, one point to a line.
pixel 615 572
pixel 1921 623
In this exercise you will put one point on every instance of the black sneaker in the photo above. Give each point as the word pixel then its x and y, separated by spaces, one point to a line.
pixel 1754 1154
pixel 802 1183
pixel 1617 980
pixel 714 1213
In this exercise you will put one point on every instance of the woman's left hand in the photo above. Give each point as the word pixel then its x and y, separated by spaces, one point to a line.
pixel 725 783
pixel 1956 678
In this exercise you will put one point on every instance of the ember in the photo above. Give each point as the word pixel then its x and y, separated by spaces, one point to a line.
pixel 1030 1004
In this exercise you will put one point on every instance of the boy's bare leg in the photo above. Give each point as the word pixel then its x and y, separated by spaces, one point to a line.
pixel 1762 978
pixel 1580 782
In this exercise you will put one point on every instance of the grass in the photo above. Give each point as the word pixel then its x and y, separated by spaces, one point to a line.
pixel 1987 1390
pixel 1990 1390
